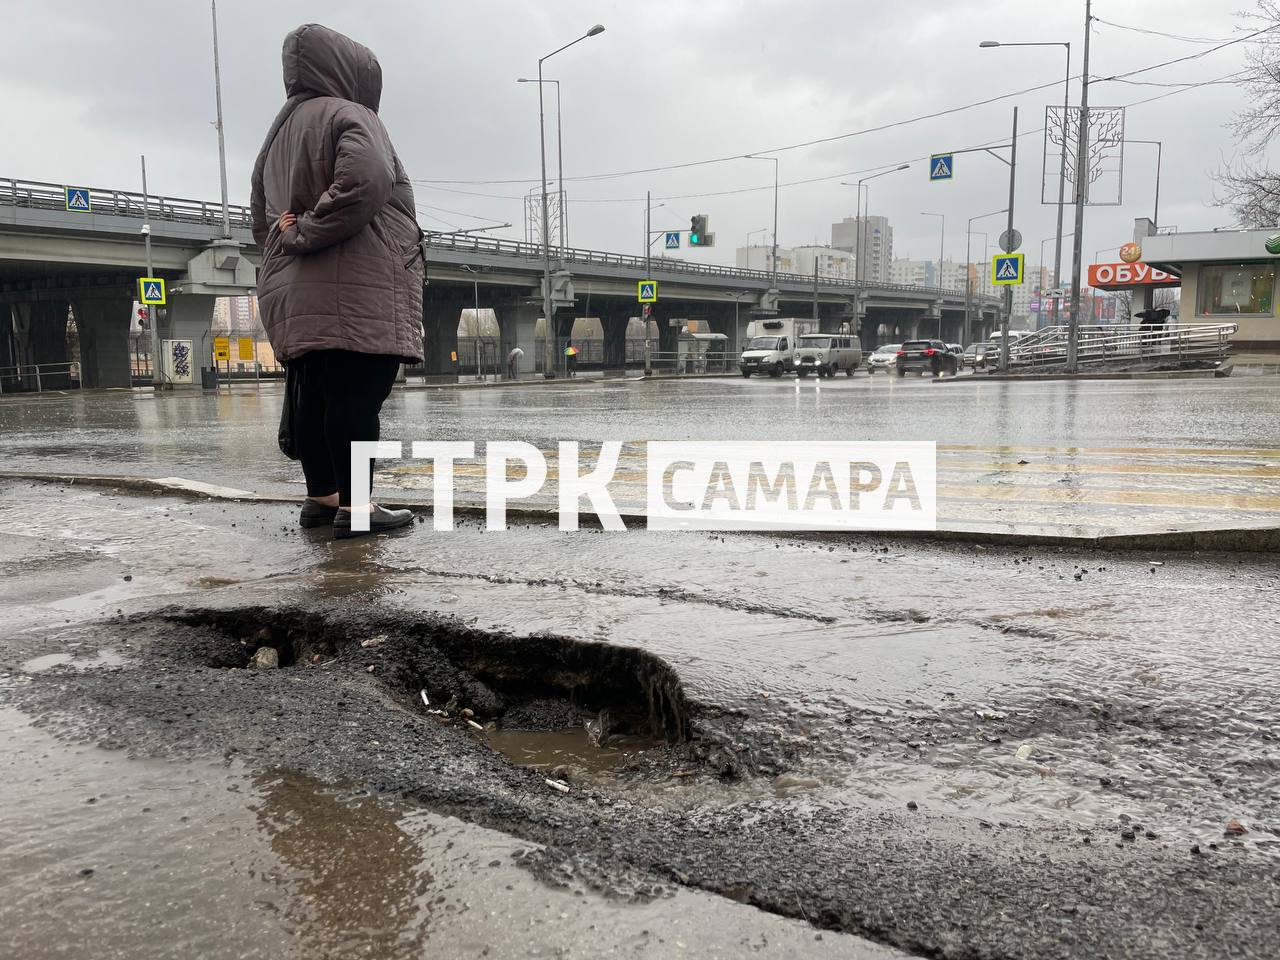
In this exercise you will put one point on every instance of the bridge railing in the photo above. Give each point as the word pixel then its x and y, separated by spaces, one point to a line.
pixel 532 252
pixel 52 196
pixel 122 203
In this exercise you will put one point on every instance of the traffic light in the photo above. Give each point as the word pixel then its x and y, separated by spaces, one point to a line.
pixel 698 236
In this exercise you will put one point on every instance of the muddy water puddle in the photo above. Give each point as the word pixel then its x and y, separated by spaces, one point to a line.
pixel 573 752
pixel 128 858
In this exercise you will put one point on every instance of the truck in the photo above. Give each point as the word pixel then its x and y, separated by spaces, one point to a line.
pixel 771 345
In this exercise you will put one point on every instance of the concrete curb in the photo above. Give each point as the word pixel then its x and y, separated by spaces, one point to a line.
pixel 1117 375
pixel 562 381
pixel 1255 537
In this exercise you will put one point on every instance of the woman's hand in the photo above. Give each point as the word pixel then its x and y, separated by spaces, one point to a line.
pixel 286 221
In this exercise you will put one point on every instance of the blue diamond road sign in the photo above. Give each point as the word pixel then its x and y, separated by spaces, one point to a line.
pixel 673 241
pixel 942 166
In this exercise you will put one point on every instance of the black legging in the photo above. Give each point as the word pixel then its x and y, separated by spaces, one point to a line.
pixel 340 394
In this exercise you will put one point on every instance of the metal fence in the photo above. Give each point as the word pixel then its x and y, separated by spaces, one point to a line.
pixel 27 377
pixel 1048 346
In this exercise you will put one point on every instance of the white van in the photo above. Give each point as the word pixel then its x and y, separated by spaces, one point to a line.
pixel 828 354
pixel 771 345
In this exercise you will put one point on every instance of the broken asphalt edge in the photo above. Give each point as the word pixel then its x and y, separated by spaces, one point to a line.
pixel 1245 537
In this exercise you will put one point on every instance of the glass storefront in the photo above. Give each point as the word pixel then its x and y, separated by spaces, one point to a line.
pixel 1233 289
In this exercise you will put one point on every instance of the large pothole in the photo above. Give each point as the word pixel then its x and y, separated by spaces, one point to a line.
pixel 540 700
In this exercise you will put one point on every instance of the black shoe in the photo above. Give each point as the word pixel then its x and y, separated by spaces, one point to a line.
pixel 379 520
pixel 316 514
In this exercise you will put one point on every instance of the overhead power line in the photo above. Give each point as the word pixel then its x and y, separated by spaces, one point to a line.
pixel 1161 33
pixel 857 133
pixel 1178 88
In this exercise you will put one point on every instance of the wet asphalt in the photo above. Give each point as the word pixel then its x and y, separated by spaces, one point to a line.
pixel 1087 456
pixel 949 750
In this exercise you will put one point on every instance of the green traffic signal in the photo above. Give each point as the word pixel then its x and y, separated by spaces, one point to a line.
pixel 694 239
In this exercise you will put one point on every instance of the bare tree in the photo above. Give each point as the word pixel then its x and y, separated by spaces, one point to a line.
pixel 1246 186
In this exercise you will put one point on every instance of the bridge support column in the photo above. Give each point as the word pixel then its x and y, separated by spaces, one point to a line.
pixel 37 334
pixel 441 311
pixel 614 323
pixel 104 341
pixel 518 325
pixel 561 331
pixel 189 316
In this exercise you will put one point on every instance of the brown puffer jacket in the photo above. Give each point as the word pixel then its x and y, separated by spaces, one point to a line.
pixel 349 275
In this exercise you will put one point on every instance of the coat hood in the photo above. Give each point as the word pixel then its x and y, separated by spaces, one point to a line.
pixel 324 63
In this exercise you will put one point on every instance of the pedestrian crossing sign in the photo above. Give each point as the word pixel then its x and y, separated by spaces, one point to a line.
pixel 151 291
pixel 1007 269
pixel 79 200
pixel 942 166
pixel 647 291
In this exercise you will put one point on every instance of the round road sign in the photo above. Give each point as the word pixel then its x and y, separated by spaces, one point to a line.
pixel 1010 240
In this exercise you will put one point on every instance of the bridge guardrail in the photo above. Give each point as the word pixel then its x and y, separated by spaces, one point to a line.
pixel 122 203
pixel 533 252
pixel 51 196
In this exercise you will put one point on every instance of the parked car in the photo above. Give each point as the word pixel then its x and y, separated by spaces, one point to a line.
pixel 926 356
pixel 827 353
pixel 980 355
pixel 884 358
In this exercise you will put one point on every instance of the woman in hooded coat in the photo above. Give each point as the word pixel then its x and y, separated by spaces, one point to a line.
pixel 340 287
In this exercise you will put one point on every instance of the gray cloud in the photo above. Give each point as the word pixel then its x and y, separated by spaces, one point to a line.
pixel 92 84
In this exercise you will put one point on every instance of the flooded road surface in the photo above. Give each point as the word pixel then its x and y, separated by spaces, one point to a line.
pixel 146 858
pixel 865 723
pixel 1102 455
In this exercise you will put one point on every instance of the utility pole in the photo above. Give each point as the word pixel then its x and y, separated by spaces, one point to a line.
pixel 1082 191
pixel 222 142
pixel 157 378
pixel 1008 291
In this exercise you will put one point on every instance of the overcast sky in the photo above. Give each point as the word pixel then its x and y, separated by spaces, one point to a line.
pixel 90 84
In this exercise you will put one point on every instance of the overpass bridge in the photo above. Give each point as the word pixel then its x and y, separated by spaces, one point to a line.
pixel 52 259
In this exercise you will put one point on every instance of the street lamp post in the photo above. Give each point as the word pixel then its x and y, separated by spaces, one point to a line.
pixel 942 245
pixel 222 142
pixel 564 209
pixel 1062 172
pixel 1082 193
pixel 549 340
pixel 859 273
pixel 859 225
pixel 1159 145
pixel 773 278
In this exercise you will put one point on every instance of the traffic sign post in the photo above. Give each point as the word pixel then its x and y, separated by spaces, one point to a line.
pixel 79 200
pixel 673 240
pixel 647 291
pixel 1007 269
pixel 942 166
pixel 151 291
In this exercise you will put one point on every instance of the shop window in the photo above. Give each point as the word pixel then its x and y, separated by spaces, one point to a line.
pixel 1237 288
